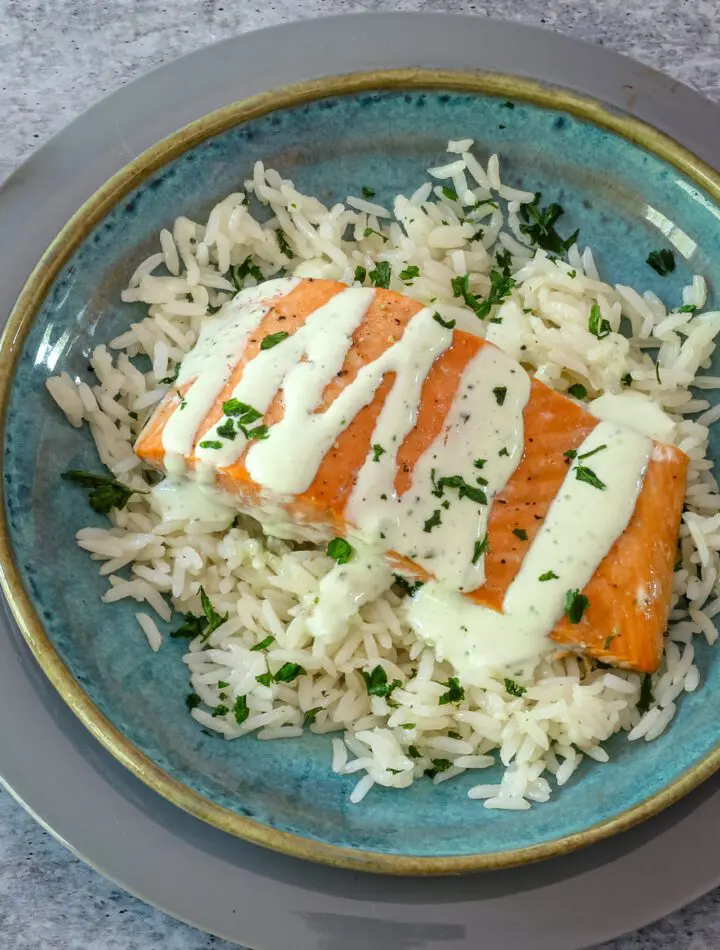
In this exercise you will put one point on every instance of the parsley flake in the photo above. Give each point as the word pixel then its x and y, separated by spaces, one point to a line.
pixel 410 272
pixel 455 692
pixel 646 695
pixel 539 226
pixel 585 474
pixel 381 275
pixel 433 521
pixel 597 325
pixel 575 605
pixel 500 392
pixel 662 262
pixel 240 272
pixel 549 576
pixel 288 672
pixel 106 492
pixel 211 444
pixel 480 548
pixel 360 274
pixel 368 192
pixel 283 244
pixel 340 550
pixel 378 450
pixel 377 684
pixel 520 533
pixel 241 710
pixel 586 455
pixel 262 645
pixel 272 339
pixel 513 688
pixel 577 390
pixel 448 324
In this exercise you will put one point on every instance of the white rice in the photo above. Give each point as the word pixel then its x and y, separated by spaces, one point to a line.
pixel 567 707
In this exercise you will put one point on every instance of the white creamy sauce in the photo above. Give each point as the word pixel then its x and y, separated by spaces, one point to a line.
pixel 440 522
pixel 210 364
pixel 581 526
pixel 345 589
pixel 476 428
pixel 635 411
pixel 185 500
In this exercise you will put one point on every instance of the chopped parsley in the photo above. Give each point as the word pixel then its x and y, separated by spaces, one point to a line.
pixel 133 415
pixel 577 390
pixel 585 474
pixel 504 261
pixel 549 576
pixel 378 450
pixel 377 684
pixel 191 627
pixel 311 715
pixel 608 640
pixel 503 452
pixel 433 521
pixel 539 226
pixel 283 244
pixel 262 645
pixel 575 605
pixel 586 455
pixel 227 430
pixel 265 679
pixel 513 688
pixel 211 444
pixel 508 105
pixel 454 735
pixel 241 710
pixel 500 392
pixel 289 672
pixel 192 701
pixel 106 492
pixel 413 752
pixel 259 432
pixel 212 617
pixel 169 379
pixel 410 272
pixel 455 692
pixel 457 481
pixel 272 339
pixel 662 262
pixel 500 287
pixel 368 232
pixel 340 550
pixel 449 193
pixel 222 684
pixel 572 274
pixel 220 710
pixel 368 192
pixel 688 308
pixel 479 463
pixel 480 548
pixel 439 765
pixel 520 533
pixel 409 587
pixel 646 695
pixel 240 272
pixel 448 324
pixel 360 274
pixel 380 276
pixel 597 325
pixel 407 725
pixel 233 407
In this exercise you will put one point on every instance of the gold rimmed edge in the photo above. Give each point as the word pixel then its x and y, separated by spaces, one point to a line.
pixel 13 337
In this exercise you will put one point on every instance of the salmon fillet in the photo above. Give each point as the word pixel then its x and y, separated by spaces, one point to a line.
pixel 629 594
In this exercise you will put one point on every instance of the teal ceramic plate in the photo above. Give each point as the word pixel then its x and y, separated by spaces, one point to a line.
pixel 615 178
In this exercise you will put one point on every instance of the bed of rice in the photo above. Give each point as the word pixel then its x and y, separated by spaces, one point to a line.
pixel 267 586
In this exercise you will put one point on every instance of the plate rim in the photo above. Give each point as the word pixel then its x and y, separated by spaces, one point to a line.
pixel 24 312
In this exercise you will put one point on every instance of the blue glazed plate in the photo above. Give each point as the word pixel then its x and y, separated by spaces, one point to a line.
pixel 283 794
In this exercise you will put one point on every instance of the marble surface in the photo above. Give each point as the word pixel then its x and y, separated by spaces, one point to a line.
pixel 58 58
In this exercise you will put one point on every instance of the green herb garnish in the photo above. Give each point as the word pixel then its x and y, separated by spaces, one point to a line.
pixel 106 492
pixel 192 627
pixel 433 521
pixel 220 710
pixel 264 679
pixel 626 380
pixel 513 688
pixel 283 244
pixel 413 752
pixel 380 276
pixel 360 274
pixel 662 262
pixel 540 226
pixel 378 450
pixel 480 548
pixel 549 576
pixel 688 308
pixel 340 550
pixel 192 701
pixel 439 765
pixel 262 645
pixel 368 232
pixel 240 272
pixel 311 715
pixel 211 444
pixel 479 463
pixel 409 587
pixel 167 380
pixel 455 692
pixel 368 192
pixel 449 193
pixel 241 710
pixel 504 261
pixel 233 407
pixel 585 474
pixel 597 325
pixel 212 617
pixel 288 672
pixel 586 455
pixel 410 272
pixel 503 452
pixel 577 390
pixel 464 490
pixel 575 605
pixel 259 432
pixel 500 392
pixel 227 430
pixel 377 684
pixel 520 533
pixel 448 324
pixel 272 339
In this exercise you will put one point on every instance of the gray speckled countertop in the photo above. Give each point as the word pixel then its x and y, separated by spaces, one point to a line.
pixel 55 60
